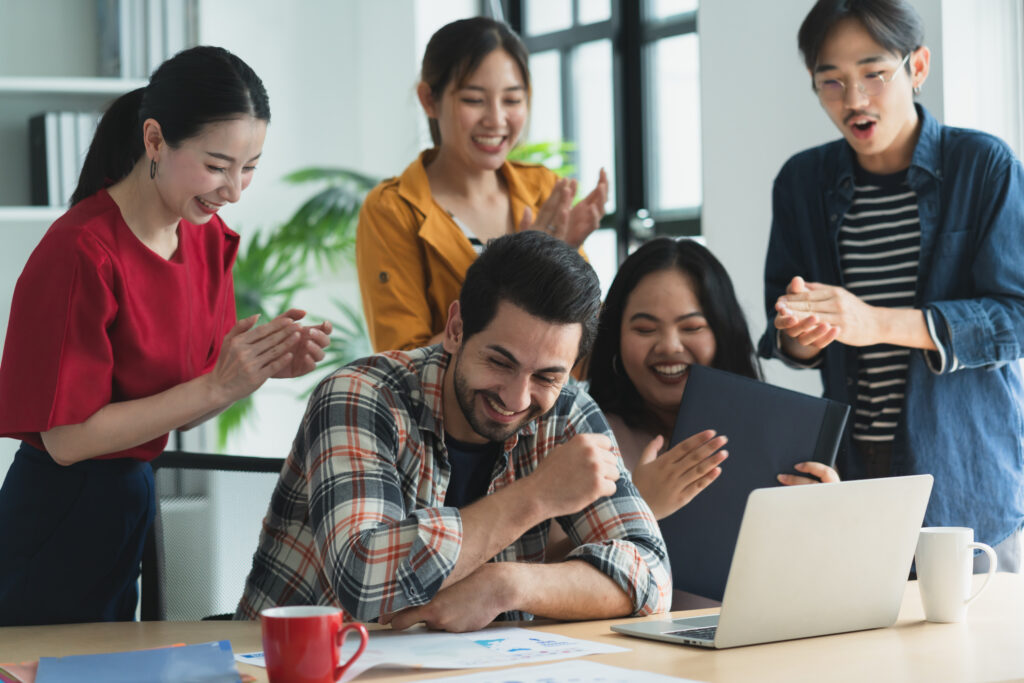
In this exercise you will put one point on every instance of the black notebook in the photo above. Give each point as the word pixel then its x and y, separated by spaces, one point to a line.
pixel 770 429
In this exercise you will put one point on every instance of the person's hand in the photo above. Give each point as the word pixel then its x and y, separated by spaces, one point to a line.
pixel 308 349
pixel 575 474
pixel 671 481
pixel 803 327
pixel 553 214
pixel 817 473
pixel 839 315
pixel 585 217
pixel 559 218
pixel 468 605
pixel 250 355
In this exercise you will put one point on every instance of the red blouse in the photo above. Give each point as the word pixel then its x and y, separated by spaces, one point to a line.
pixel 98 317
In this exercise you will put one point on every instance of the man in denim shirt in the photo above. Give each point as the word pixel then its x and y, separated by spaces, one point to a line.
pixel 896 267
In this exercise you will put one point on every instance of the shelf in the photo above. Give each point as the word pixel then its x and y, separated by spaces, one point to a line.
pixel 70 86
pixel 34 214
pixel 21 98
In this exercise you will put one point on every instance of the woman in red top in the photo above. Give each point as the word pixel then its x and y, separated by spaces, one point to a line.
pixel 122 328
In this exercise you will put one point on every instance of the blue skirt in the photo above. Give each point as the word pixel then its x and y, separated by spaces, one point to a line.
pixel 71 538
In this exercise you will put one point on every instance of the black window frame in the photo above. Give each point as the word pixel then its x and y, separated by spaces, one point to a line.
pixel 630 32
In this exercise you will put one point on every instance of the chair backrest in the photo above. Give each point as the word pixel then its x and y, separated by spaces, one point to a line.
pixel 209 512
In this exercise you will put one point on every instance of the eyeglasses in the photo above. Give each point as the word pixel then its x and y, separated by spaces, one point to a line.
pixel 871 85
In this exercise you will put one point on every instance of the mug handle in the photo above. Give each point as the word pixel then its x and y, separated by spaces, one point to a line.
pixel 340 638
pixel 364 638
pixel 992 565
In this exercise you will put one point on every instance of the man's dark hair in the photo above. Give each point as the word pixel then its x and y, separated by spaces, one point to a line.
pixel 893 24
pixel 538 273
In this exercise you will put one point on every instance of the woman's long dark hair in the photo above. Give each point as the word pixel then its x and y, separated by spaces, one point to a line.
pixel 609 384
pixel 456 50
pixel 195 87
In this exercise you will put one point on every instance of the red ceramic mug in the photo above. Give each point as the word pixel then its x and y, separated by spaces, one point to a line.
pixel 301 644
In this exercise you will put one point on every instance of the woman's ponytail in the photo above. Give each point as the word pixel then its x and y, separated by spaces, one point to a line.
pixel 116 146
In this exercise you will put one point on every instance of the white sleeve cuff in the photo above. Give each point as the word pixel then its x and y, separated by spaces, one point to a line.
pixel 939 355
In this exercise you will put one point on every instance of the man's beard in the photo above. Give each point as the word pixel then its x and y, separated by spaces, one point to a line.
pixel 492 431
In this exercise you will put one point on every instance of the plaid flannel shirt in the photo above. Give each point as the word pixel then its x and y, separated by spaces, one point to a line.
pixel 358 521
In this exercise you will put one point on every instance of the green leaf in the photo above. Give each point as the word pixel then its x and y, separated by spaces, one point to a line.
pixel 323 228
pixel 266 277
pixel 232 419
pixel 555 155
pixel 315 174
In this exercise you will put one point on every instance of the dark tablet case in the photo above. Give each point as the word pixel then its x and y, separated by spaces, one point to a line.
pixel 770 429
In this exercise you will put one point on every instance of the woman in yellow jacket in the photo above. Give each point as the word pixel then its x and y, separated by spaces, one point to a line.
pixel 419 232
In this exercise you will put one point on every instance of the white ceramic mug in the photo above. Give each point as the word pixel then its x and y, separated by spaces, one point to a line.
pixel 945 564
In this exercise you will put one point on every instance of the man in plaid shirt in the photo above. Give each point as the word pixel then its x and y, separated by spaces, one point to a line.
pixel 422 485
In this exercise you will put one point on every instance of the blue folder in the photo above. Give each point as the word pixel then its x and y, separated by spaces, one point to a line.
pixel 203 663
pixel 770 429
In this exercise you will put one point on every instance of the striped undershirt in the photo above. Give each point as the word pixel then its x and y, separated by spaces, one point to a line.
pixel 879 250
pixel 474 241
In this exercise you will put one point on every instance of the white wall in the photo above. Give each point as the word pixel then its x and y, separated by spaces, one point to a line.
pixel 757 110
pixel 984 56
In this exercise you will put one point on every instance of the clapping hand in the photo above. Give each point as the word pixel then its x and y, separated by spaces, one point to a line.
pixel 308 349
pixel 815 315
pixel 253 353
pixel 559 218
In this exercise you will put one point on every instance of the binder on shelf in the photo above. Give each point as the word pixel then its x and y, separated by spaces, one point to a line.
pixel 67 144
pixel 136 36
pixel 770 429
pixel 155 49
pixel 179 26
pixel 44 159
pixel 58 143
pixel 133 39
pixel 108 20
pixel 87 121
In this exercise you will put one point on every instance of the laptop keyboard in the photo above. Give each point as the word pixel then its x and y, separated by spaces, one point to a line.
pixel 705 633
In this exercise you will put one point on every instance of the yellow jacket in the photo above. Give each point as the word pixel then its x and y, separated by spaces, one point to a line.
pixel 412 257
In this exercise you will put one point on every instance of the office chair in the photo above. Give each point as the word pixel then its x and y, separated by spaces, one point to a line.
pixel 209 513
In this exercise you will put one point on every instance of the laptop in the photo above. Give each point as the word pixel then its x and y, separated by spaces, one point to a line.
pixel 770 429
pixel 810 561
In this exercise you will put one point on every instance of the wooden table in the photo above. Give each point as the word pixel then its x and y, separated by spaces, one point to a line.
pixel 989 646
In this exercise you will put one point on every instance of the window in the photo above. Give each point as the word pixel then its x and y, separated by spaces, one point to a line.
pixel 620 80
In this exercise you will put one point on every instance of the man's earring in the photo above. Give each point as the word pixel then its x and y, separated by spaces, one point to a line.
pixel 152 168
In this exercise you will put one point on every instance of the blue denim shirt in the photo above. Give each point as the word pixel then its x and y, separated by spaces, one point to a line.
pixel 962 415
